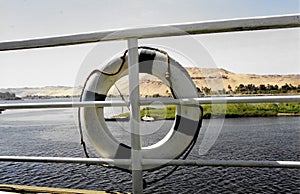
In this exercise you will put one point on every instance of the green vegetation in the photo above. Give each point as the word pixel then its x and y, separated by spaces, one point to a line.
pixel 158 113
pixel 266 89
pixel 250 110
pixel 8 96
pixel 254 90
pixel 240 110
pixel 228 110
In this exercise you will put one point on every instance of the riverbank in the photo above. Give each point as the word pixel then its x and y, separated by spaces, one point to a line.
pixel 227 111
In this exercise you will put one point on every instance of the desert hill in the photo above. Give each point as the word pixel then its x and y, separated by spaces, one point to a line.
pixel 219 79
pixel 51 91
pixel 204 77
pixel 216 79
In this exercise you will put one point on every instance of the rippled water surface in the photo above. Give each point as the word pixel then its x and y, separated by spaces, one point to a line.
pixel 54 133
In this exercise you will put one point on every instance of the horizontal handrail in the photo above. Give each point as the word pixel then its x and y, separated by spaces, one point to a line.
pixel 218 26
pixel 224 100
pixel 143 102
pixel 225 163
pixel 62 104
pixel 165 162
pixel 66 160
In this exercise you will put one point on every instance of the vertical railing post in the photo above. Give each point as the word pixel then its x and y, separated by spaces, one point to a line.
pixel 134 95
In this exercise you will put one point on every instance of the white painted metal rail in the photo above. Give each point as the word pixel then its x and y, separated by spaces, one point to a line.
pixel 118 162
pixel 132 36
pixel 218 26
pixel 143 102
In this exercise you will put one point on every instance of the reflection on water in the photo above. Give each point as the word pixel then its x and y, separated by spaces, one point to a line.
pixel 54 133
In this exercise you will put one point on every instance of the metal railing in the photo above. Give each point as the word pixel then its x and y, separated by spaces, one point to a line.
pixel 143 102
pixel 219 26
pixel 132 36
pixel 178 162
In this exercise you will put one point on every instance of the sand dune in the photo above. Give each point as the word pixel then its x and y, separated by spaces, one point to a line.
pixel 217 79
pixel 203 77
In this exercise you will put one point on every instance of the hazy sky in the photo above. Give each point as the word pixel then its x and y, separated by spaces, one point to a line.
pixel 263 52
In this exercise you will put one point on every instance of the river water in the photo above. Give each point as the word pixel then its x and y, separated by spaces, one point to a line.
pixel 54 133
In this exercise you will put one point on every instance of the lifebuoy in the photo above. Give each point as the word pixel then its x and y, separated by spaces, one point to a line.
pixel 188 118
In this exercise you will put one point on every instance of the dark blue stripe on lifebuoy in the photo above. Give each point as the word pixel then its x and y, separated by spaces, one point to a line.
pixel 93 96
pixel 123 152
pixel 187 126
pixel 146 58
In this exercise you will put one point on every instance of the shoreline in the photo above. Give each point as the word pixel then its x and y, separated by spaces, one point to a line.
pixel 228 111
pixel 114 119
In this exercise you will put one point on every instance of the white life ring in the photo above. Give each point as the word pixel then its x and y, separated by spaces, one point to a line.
pixel 188 118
